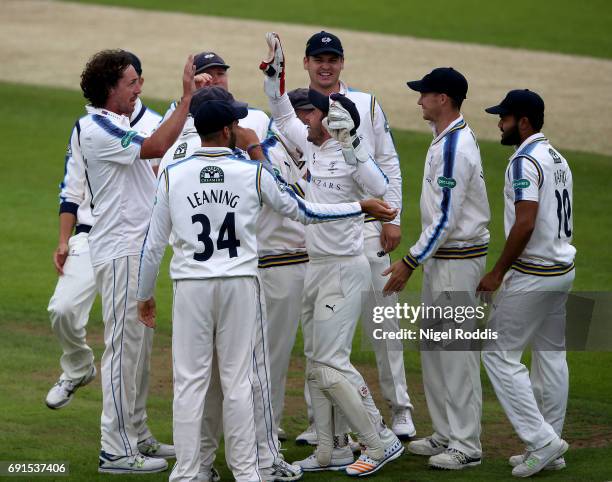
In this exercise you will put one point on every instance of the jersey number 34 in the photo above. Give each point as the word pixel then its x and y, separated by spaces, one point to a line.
pixel 226 240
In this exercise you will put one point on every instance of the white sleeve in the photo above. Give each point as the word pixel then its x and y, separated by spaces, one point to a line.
pixel 114 144
pixel 288 123
pixel 526 177
pixel 155 241
pixel 386 157
pixel 72 188
pixel 371 178
pixel 450 185
pixel 283 200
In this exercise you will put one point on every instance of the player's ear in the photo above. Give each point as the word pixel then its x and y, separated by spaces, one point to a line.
pixel 305 62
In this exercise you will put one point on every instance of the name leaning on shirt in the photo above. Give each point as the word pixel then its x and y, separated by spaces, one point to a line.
pixel 218 196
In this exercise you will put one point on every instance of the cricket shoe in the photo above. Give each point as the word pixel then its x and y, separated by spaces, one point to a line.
pixel 281 435
pixel 402 424
pixel 453 459
pixel 208 475
pixel 62 392
pixel 135 464
pixel 538 459
pixel 340 459
pixel 308 436
pixel 150 447
pixel 366 465
pixel 426 446
pixel 557 464
pixel 281 470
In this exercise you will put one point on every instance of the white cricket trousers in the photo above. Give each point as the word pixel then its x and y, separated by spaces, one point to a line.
pixel 283 287
pixel 125 361
pixel 334 289
pixel 530 310
pixel 214 316
pixel 265 428
pixel 452 378
pixel 389 353
pixel 69 309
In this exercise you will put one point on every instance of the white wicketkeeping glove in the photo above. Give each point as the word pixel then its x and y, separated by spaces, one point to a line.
pixel 341 122
pixel 274 67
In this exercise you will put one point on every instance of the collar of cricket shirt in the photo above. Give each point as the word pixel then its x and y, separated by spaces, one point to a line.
pixel 214 152
pixel 528 144
pixel 121 119
pixel 458 123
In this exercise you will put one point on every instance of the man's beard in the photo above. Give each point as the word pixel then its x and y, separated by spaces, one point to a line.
pixel 511 137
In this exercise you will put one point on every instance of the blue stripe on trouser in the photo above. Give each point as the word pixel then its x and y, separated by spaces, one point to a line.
pixel 265 387
pixel 119 410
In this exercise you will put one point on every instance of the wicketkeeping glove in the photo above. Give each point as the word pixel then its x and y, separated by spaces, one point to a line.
pixel 274 67
pixel 342 122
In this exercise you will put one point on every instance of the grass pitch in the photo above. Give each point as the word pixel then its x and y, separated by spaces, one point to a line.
pixel 552 25
pixel 36 123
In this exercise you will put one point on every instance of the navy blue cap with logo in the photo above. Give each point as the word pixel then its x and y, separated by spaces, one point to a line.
pixel 520 102
pixel 212 93
pixel 205 60
pixel 214 115
pixel 443 80
pixel 299 99
pixel 324 43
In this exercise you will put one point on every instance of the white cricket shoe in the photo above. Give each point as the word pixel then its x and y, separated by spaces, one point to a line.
pixel 152 448
pixel 308 436
pixel 426 446
pixel 281 435
pixel 62 392
pixel 538 459
pixel 341 457
pixel 280 471
pixel 208 475
pixel 402 424
pixel 557 464
pixel 135 464
pixel 366 465
pixel 453 459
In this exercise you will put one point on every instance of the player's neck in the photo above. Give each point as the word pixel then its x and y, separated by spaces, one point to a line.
pixel 326 90
pixel 445 119
pixel 115 108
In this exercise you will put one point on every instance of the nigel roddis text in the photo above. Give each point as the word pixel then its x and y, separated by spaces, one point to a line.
pixel 218 196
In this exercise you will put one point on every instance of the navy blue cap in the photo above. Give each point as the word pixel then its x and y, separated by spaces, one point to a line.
pixel 214 115
pixel 520 102
pixel 205 60
pixel 135 62
pixel 212 93
pixel 318 100
pixel 299 99
pixel 443 80
pixel 324 43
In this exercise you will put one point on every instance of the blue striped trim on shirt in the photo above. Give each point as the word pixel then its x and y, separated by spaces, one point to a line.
pixel 450 149
pixel 542 270
pixel 114 130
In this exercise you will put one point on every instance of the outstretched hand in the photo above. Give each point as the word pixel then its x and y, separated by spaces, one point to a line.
pixel 273 66
pixel 400 273
pixel 189 85
pixel 379 209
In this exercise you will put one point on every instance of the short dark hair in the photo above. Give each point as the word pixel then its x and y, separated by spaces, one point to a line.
pixel 102 73
pixel 535 119
pixel 456 103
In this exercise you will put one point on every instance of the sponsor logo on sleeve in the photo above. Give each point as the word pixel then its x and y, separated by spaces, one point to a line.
pixel 126 140
pixel 446 182
pixel 181 151
pixel 211 174
pixel 520 184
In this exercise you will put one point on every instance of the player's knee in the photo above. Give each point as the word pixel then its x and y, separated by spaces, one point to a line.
pixel 60 311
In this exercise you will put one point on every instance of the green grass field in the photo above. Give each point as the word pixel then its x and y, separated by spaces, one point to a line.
pixel 35 123
pixel 556 26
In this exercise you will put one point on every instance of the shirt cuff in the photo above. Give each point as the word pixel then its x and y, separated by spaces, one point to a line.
pixel 410 261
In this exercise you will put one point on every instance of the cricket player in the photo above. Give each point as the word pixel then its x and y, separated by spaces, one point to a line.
pixel 270 462
pixel 339 169
pixel 452 248
pixel 210 204
pixel 75 292
pixel 121 184
pixel 324 61
pixel 534 274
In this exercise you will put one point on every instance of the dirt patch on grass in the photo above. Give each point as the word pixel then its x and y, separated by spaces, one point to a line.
pixel 48 43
